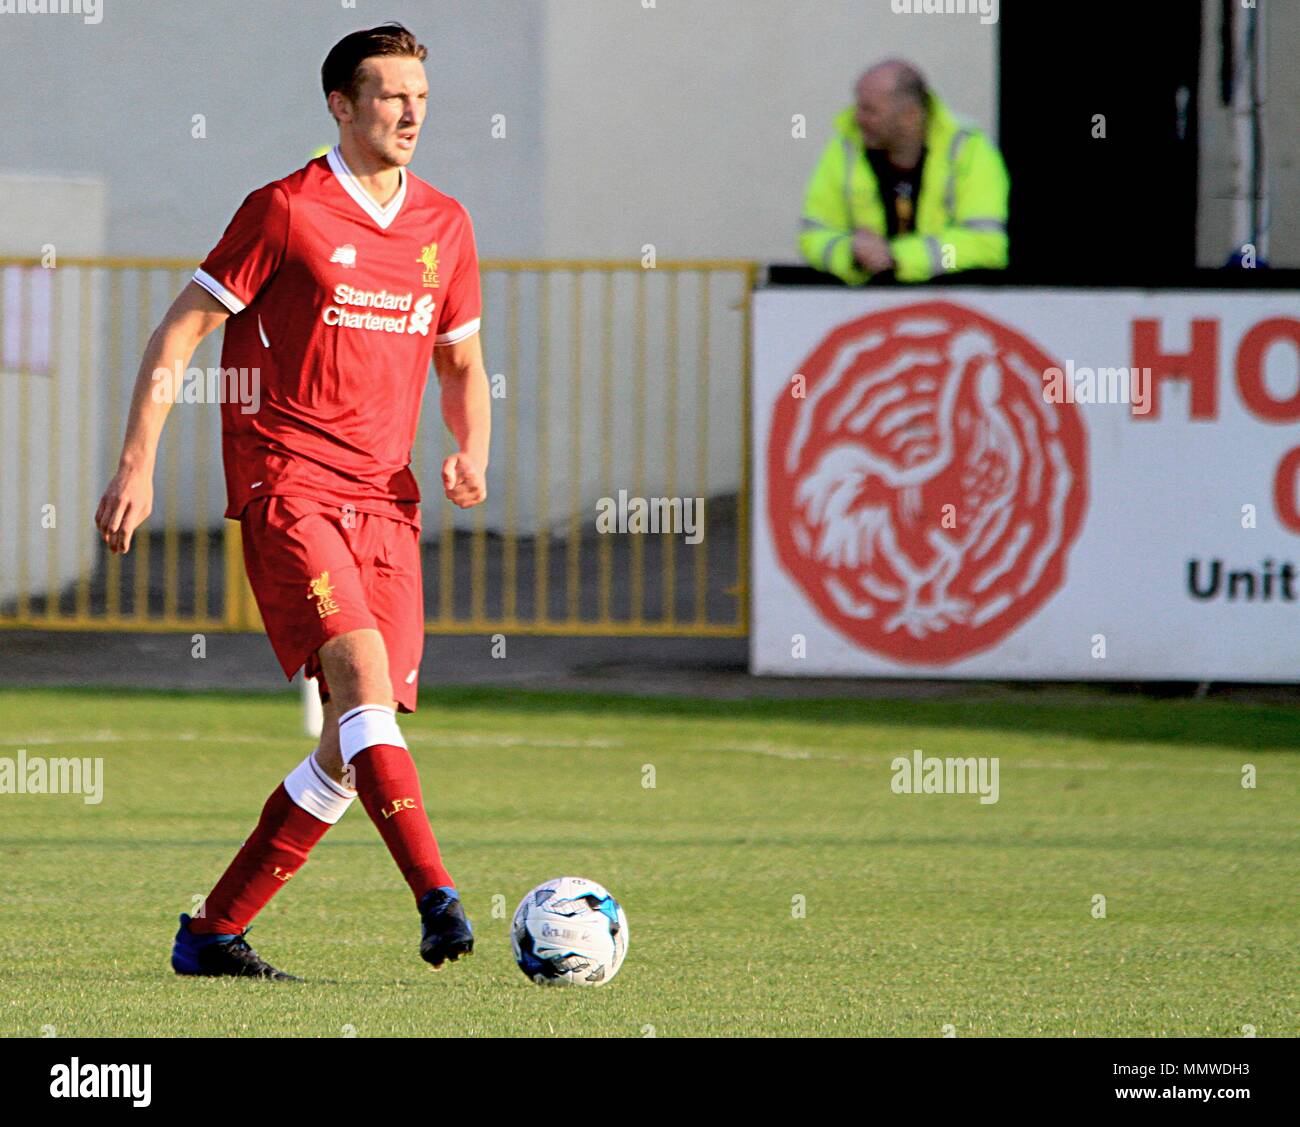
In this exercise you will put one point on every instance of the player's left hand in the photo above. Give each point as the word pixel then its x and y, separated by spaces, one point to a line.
pixel 463 481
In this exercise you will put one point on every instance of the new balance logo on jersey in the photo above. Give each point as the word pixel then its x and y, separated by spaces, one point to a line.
pixel 420 312
pixel 345 255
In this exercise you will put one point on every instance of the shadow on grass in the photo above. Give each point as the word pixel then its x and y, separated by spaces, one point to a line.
pixel 1093 712
pixel 1248 840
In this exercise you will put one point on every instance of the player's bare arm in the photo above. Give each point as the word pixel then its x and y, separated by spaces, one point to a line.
pixel 128 500
pixel 467 411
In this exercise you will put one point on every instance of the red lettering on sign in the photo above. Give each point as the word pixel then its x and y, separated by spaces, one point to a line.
pixel 1200 365
pixel 1250 369
pixel 1284 490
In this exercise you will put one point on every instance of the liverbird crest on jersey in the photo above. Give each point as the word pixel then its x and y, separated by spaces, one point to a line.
pixel 429 257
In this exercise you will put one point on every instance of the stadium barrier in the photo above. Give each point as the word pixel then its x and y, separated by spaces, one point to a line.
pixel 611 382
pixel 1027 482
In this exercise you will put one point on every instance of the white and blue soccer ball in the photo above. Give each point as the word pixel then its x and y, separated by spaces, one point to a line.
pixel 569 932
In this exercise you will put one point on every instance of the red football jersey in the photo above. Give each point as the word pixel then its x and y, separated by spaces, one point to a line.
pixel 339 303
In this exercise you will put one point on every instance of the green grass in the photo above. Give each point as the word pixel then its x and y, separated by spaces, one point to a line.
pixel 921 910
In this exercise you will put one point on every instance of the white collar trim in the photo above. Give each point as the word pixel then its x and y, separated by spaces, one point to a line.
pixel 383 216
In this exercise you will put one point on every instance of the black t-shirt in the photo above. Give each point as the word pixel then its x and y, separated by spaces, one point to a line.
pixel 899 190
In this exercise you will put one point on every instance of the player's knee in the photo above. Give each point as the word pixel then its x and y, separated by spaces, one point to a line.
pixel 356 667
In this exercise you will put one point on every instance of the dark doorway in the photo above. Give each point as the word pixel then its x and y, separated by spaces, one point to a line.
pixel 1090 209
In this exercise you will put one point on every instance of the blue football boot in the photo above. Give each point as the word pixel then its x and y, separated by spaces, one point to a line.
pixel 447 932
pixel 220 955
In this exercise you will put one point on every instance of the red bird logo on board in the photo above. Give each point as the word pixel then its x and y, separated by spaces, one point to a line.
pixel 922 492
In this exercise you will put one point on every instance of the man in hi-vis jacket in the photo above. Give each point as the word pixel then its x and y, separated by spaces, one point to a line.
pixel 903 189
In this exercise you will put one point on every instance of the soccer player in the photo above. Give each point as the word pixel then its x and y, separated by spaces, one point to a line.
pixel 337 284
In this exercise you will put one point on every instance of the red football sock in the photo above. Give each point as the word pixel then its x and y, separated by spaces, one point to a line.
pixel 389 788
pixel 271 855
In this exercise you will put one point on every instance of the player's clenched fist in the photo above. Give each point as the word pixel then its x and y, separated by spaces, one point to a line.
pixel 463 481
pixel 126 504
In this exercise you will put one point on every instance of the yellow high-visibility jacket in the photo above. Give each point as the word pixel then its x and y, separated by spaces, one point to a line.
pixel 961 212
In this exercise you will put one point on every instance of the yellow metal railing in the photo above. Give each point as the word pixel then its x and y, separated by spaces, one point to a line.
pixel 606 376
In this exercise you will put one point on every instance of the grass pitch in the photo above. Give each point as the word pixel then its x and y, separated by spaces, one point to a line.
pixel 774 882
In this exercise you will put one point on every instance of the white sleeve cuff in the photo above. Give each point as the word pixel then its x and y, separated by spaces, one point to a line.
pixel 468 329
pixel 217 290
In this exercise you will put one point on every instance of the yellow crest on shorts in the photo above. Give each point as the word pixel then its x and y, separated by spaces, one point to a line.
pixel 322 591
pixel 429 257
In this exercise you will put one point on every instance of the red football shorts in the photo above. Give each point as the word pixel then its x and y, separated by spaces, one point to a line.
pixel 318 572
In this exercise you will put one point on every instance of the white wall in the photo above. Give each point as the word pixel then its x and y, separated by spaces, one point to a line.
pixel 672 125
pixel 117 100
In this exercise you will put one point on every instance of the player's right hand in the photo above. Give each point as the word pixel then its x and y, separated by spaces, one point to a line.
pixel 126 504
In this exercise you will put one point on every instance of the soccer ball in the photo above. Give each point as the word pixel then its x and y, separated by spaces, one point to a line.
pixel 569 932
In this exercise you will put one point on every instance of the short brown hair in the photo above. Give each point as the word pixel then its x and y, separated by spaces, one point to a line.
pixel 342 68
